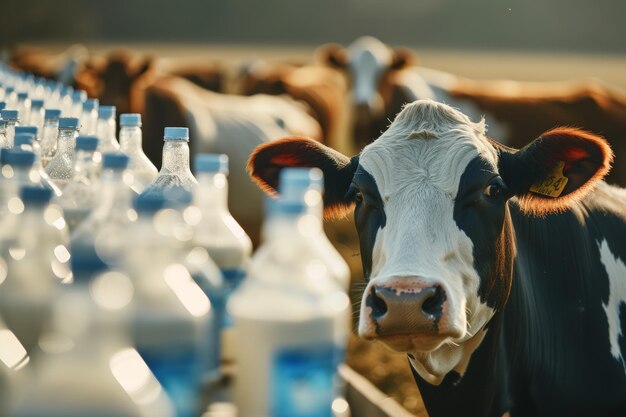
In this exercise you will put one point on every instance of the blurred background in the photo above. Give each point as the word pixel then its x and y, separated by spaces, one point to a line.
pixel 483 38
pixel 530 40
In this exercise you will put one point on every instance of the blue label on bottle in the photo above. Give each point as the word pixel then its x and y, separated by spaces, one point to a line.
pixel 232 279
pixel 177 369
pixel 302 382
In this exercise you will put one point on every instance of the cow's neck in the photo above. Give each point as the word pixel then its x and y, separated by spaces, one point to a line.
pixel 478 385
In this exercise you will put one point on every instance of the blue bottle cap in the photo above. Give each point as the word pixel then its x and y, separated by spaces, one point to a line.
pixel 23 139
pixel 9 90
pixel 115 160
pixel 26 129
pixel 66 90
pixel 106 112
pixel 176 133
pixel 22 95
pixel 9 114
pixel 35 194
pixel 79 95
pixel 87 143
pixel 211 162
pixel 2 105
pixel 279 206
pixel 36 104
pixel 19 157
pixel 68 123
pixel 3 156
pixel 150 202
pixel 3 123
pixel 130 119
pixel 300 178
pixel 91 104
pixel 52 114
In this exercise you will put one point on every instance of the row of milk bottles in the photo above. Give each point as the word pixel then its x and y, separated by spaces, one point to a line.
pixel 118 305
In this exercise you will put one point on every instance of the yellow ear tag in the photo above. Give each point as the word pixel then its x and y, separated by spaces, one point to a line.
pixel 554 184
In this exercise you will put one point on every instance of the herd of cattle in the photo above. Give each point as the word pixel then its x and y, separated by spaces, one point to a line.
pixel 500 272
pixel 342 97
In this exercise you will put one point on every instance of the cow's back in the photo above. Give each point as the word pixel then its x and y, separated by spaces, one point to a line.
pixel 229 124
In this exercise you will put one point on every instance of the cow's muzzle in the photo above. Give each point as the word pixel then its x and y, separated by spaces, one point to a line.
pixel 406 314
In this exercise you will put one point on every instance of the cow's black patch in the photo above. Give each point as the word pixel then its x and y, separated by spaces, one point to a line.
pixel 369 214
pixel 481 217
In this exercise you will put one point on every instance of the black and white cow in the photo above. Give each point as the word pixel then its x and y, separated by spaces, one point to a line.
pixel 501 272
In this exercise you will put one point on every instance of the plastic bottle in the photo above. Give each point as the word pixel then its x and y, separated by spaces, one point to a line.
pixel 37 261
pixel 26 138
pixel 12 118
pixel 171 312
pixel 3 134
pixel 307 185
pixel 79 195
pixel 78 99
pixel 10 97
pixel 140 166
pixel 175 179
pixel 291 320
pixel 23 106
pixel 219 234
pixel 61 167
pixel 49 135
pixel 37 115
pixel 99 242
pixel 65 100
pixel 89 117
pixel 88 367
pixel 106 129
pixel 18 170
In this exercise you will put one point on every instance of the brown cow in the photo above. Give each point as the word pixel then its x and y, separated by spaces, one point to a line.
pixel 384 79
pixel 121 78
pixel 323 89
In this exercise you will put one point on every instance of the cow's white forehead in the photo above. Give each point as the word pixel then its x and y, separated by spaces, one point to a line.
pixel 370 46
pixel 428 142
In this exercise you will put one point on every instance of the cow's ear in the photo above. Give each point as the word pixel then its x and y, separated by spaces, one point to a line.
pixel 267 160
pixel 333 55
pixel 403 58
pixel 558 168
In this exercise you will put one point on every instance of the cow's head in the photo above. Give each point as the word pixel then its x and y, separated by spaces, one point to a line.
pixel 432 197
pixel 371 67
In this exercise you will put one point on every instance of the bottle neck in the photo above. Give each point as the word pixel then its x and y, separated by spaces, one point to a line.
pixel 115 195
pixel 106 133
pixel 88 122
pixel 130 139
pixel 211 193
pixel 175 157
pixel 36 119
pixel 83 163
pixel 278 226
pixel 10 132
pixel 66 140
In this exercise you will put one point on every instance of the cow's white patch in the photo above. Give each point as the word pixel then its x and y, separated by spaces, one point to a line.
pixel 417 165
pixel 616 270
pixel 425 83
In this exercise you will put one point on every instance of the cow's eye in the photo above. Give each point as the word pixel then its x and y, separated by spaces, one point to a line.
pixel 495 189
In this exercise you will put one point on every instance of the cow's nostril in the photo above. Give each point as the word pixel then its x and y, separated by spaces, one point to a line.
pixel 433 305
pixel 379 307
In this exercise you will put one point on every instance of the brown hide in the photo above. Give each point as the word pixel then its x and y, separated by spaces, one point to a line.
pixel 528 109
pixel 323 89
